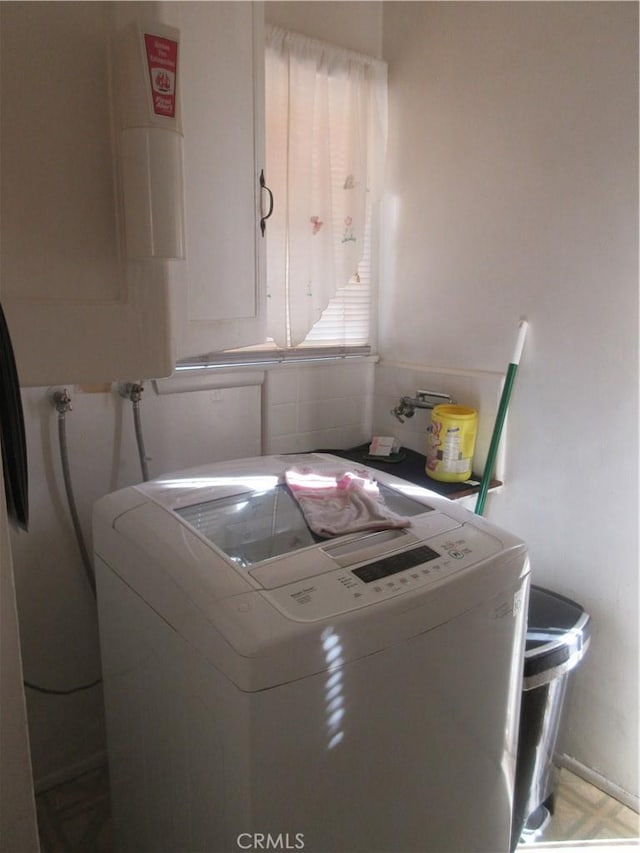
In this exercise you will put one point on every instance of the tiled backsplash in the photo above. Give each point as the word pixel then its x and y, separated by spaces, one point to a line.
pixel 344 404
pixel 318 406
pixel 478 389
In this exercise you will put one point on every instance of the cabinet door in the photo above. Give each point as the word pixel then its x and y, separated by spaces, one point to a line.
pixel 76 309
pixel 218 298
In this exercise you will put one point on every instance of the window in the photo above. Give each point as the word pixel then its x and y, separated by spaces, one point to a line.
pixel 325 143
pixel 325 130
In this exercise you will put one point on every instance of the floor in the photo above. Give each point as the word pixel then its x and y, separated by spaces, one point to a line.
pixel 583 813
pixel 75 817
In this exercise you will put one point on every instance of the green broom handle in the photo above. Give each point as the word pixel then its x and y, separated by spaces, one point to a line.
pixel 500 418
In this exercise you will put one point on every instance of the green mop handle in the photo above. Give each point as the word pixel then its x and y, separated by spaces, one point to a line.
pixel 501 415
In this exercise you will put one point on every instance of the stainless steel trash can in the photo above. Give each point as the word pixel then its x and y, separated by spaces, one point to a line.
pixel 558 635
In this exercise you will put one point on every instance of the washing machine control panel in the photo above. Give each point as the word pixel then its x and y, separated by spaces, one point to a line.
pixel 416 568
pixel 387 566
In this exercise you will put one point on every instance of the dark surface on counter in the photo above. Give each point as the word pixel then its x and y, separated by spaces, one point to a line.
pixel 410 466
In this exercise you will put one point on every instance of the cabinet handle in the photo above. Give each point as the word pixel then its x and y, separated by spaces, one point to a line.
pixel 263 186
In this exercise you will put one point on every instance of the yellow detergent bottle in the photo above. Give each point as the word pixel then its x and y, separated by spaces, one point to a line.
pixel 451 440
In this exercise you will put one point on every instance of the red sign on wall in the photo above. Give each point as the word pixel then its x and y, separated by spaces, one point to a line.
pixel 162 61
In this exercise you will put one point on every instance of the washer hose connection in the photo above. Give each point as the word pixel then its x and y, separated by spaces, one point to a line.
pixel 62 403
pixel 133 391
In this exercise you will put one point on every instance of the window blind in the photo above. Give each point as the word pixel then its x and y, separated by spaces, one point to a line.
pixel 346 321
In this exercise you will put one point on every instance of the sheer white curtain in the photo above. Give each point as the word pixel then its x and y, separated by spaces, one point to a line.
pixel 326 126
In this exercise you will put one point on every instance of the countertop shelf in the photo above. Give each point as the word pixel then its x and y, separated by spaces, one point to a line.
pixel 410 466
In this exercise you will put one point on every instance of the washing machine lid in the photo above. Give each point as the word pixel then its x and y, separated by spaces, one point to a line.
pixel 252 522
pixel 267 522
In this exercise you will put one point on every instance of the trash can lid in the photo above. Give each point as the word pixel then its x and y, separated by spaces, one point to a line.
pixel 558 634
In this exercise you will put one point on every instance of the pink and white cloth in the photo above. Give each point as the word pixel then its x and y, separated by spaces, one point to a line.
pixel 339 501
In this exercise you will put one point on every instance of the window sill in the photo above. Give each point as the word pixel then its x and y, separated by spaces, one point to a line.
pixel 264 357
pixel 201 376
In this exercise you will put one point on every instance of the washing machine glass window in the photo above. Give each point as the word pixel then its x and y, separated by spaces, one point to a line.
pixel 252 527
pixel 265 523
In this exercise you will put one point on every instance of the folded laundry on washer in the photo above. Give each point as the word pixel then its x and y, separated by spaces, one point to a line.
pixel 339 501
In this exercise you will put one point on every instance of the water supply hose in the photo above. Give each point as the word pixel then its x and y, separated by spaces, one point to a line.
pixel 62 402
pixel 133 391
pixel 140 441
pixel 500 418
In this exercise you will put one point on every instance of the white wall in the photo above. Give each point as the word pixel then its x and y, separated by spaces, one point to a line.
pixel 513 191
pixel 352 25
pixel 318 407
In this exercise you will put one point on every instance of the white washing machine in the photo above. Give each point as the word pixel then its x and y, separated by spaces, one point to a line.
pixel 268 691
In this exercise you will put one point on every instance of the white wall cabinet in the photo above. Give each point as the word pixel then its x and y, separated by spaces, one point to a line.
pixel 78 309
pixel 219 300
